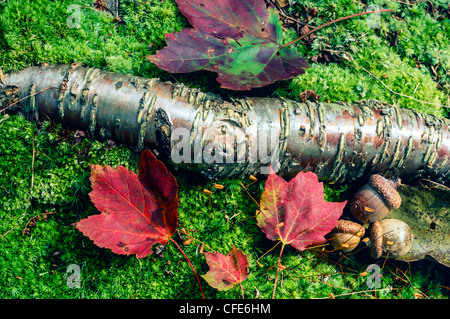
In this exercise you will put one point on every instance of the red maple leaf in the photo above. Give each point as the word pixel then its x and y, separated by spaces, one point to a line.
pixel 226 271
pixel 296 212
pixel 241 40
pixel 136 211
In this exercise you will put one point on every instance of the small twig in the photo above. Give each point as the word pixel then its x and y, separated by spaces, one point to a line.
pixel 408 281
pixel 26 97
pixel 396 38
pixel 4 118
pixel 268 251
pixel 183 292
pixel 32 168
pixel 448 96
pixel 2 76
pixel 432 6
pixel 436 184
pixel 402 2
pixel 360 3
pixel 34 218
pixel 359 292
pixel 245 188
pixel 193 238
pixel 397 93
pixel 334 21
pixel 290 18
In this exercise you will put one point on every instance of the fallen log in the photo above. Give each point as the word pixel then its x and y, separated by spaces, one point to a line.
pixel 235 137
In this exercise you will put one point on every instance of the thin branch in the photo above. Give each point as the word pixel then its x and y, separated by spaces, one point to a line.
pixel 362 291
pixel 397 93
pixel 245 188
pixel 408 281
pixel 334 21
pixel 34 218
pixel 202 243
pixel 26 97
pixel 32 169
pixel 436 184
pixel 269 250
pixel 290 18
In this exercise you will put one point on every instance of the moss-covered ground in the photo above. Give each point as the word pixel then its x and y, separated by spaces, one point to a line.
pixel 44 172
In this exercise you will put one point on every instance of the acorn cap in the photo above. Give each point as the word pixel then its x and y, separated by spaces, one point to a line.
pixel 346 235
pixel 376 240
pixel 387 190
pixel 349 227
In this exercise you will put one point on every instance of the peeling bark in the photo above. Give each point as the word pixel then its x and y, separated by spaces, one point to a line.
pixel 228 137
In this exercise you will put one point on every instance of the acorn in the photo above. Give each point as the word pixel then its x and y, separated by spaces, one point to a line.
pixel 346 235
pixel 375 199
pixel 389 237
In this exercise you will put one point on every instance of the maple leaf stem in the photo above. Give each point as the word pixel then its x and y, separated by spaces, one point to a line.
pixel 242 290
pixel 334 21
pixel 190 264
pixel 278 269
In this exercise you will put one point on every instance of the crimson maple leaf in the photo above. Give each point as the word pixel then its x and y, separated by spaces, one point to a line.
pixel 136 211
pixel 241 40
pixel 296 212
pixel 226 271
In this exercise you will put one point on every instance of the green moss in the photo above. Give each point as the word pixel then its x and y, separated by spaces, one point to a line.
pixel 418 66
pixel 35 265
pixel 72 31
pixel 57 180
